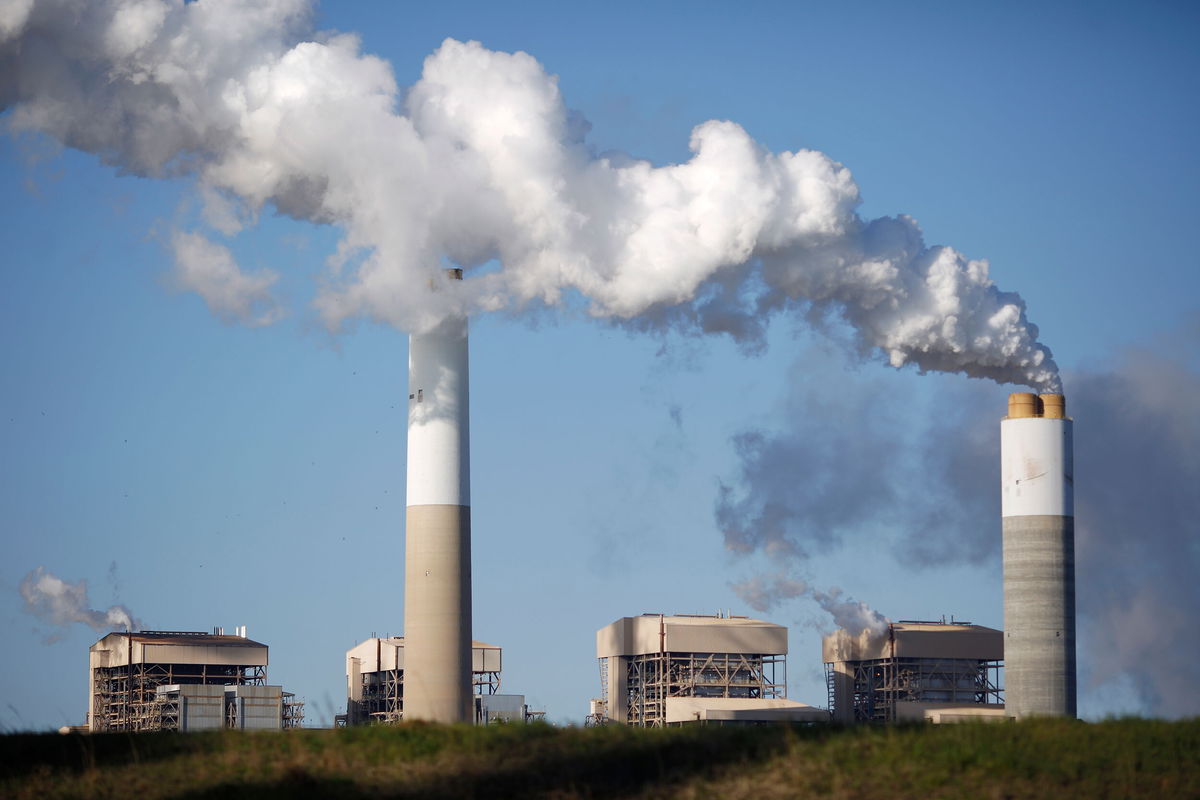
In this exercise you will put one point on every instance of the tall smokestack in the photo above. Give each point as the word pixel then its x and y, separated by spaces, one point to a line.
pixel 1037 485
pixel 437 573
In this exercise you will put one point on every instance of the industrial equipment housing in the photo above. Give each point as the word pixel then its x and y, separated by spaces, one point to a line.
pixel 375 679
pixel 184 680
pixel 915 670
pixel 660 670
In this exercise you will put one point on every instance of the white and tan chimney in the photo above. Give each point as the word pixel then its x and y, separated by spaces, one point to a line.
pixel 437 552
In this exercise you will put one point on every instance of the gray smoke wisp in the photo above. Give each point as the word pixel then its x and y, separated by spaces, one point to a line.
pixel 61 603
pixel 480 163
pixel 850 463
pixel 933 496
pixel 765 592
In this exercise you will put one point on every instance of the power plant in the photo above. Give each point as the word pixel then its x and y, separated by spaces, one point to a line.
pixel 655 669
pixel 1037 477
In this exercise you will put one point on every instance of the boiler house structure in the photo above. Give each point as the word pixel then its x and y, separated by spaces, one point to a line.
pixel 184 680
pixel 660 670
pixel 913 671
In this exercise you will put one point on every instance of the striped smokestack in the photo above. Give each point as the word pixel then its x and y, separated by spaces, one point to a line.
pixel 437 572
pixel 1037 501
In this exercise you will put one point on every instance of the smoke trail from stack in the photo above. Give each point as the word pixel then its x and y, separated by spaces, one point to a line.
pixel 481 163
pixel 61 603
pixel 765 592
pixel 930 488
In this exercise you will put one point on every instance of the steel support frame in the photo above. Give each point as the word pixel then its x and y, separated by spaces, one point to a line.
pixel 125 697
pixel 880 684
pixel 383 695
pixel 653 677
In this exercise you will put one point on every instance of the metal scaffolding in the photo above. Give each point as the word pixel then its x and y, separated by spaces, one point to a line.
pixel 293 711
pixel 882 683
pixel 653 677
pixel 141 681
pixel 911 668
pixel 382 698
pixel 125 698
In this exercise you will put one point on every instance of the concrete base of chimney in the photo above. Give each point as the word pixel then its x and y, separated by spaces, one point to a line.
pixel 1039 616
pixel 437 614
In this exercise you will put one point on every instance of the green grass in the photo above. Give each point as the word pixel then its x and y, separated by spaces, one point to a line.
pixel 1046 758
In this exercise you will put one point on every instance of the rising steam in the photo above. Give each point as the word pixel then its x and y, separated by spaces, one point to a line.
pixel 765 592
pixel 58 602
pixel 481 164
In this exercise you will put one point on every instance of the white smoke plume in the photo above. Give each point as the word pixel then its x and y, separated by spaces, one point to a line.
pixel 853 616
pixel 481 163
pixel 765 592
pixel 58 602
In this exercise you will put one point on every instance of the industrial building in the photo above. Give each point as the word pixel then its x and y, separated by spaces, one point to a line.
pixel 375 684
pixel 1037 478
pixel 660 670
pixel 184 680
pixel 933 671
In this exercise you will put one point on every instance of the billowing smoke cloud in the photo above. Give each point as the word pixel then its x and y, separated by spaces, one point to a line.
pixel 58 602
pixel 480 163
pixel 841 476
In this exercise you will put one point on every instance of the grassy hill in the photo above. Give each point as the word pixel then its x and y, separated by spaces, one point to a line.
pixel 1050 758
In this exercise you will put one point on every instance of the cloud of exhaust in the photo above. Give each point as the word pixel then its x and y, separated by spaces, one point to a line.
pixel 61 603
pixel 765 592
pixel 840 476
pixel 480 163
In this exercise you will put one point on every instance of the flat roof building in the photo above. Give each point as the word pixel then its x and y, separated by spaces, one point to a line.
pixel 665 670
pixel 184 680
pixel 915 670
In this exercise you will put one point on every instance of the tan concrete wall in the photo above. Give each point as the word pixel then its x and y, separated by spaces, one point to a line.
pixel 641 635
pixel 731 709
pixel 437 614
pixel 916 641
pixel 377 655
pixel 947 712
pixel 116 650
pixel 177 654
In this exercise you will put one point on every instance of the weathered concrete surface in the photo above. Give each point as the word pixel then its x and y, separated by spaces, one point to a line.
pixel 1039 615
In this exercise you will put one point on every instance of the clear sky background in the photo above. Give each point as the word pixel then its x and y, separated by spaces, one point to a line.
pixel 206 473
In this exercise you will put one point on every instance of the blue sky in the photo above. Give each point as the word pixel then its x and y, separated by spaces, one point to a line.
pixel 206 473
